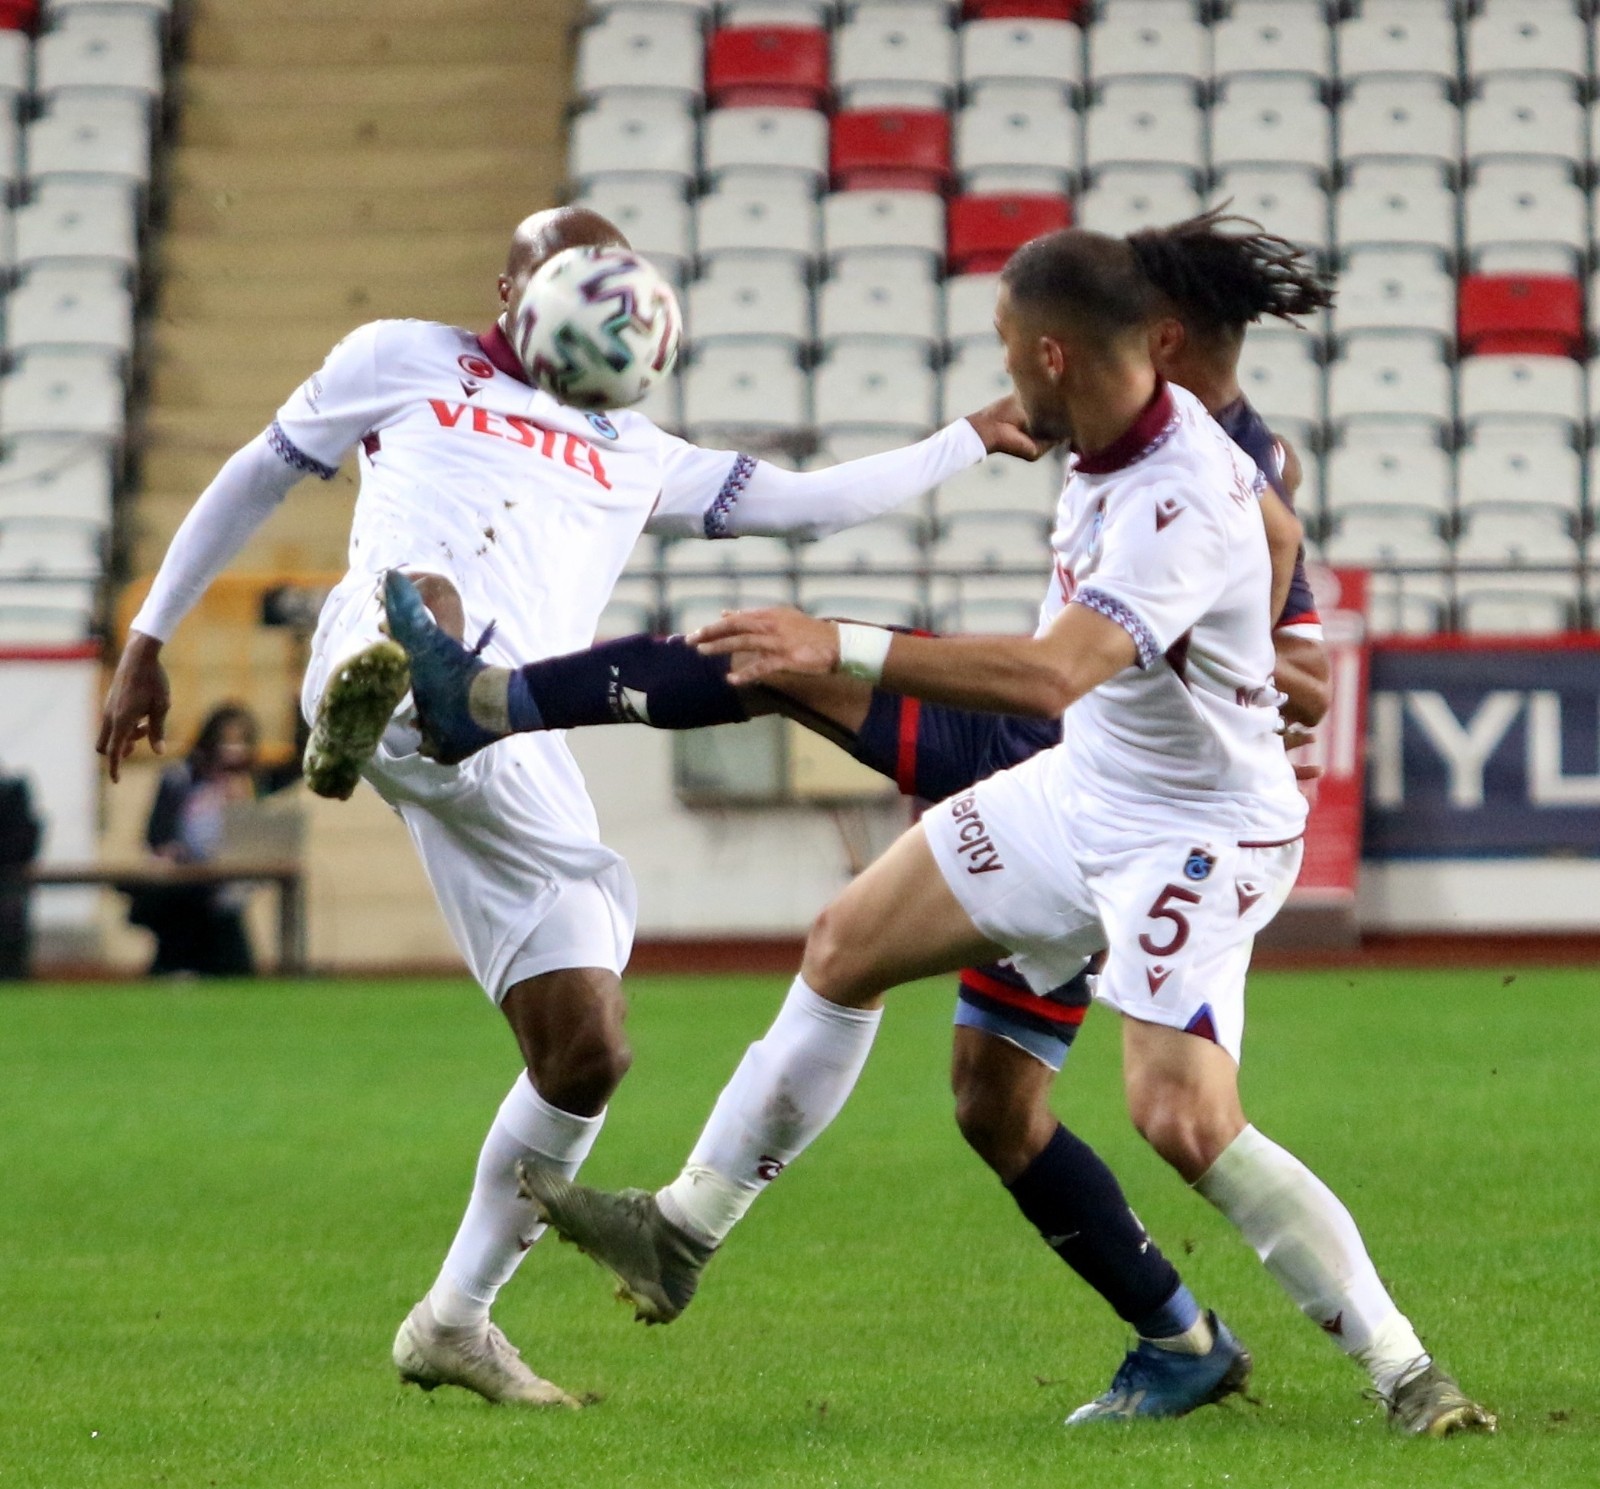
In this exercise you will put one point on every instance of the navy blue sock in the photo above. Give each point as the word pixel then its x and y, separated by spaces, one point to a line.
pixel 1074 1200
pixel 661 681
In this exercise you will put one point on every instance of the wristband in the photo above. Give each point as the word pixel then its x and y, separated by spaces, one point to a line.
pixel 863 650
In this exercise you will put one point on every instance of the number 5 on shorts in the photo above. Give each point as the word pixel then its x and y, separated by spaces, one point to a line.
pixel 1163 909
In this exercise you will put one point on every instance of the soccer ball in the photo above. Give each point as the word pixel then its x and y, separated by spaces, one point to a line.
pixel 596 327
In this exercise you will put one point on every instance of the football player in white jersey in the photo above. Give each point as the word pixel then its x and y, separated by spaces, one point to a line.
pixel 506 506
pixel 1164 828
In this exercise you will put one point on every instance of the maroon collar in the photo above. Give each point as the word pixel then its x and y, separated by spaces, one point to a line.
pixel 1135 440
pixel 499 351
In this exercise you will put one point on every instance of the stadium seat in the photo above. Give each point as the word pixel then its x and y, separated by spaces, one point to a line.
pixel 734 390
pixel 764 140
pixel 777 217
pixel 50 549
pixel 42 612
pixel 86 135
pixel 872 599
pixel 969 307
pixel 876 385
pixel 888 58
pixel 62 393
pixel 1123 199
pixel 625 614
pixel 973 608
pixel 21 16
pixel 1384 537
pixel 1415 36
pixel 1517 604
pixel 894 149
pixel 83 221
pixel 1396 202
pixel 1386 461
pixel 1510 313
pixel 812 14
pixel 56 10
pixel 1289 200
pixel 100 51
pixel 743 297
pixel 892 542
pixel 656 47
pixel 1017 147
pixel 76 305
pixel 1527 36
pixel 768 67
pixel 1513 114
pixel 652 212
pixel 890 305
pixel 61 480
pixel 883 225
pixel 1270 121
pixel 1043 10
pixel 1002 486
pixel 1395 289
pixel 973 378
pixel 1516 537
pixel 1383 116
pixel 1406 604
pixel 986 230
pixel 1274 36
pixel 1144 121
pixel 994 540
pixel 1279 374
pixel 16 66
pixel 1044 55
pixel 1391 373
pixel 634 134
pixel 1531 467
pixel 1521 387
pixel 1525 201
pixel 1152 37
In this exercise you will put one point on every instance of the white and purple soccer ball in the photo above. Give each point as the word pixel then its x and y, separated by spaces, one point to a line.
pixel 596 327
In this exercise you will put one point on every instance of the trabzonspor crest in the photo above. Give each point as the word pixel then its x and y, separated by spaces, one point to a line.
pixel 596 327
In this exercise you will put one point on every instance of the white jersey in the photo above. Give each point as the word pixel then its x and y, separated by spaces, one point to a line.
pixel 1162 533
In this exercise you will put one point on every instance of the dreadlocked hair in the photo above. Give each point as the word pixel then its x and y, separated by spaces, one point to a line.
pixel 1224 271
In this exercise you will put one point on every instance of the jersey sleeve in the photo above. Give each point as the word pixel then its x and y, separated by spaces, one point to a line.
pixel 698 488
pixel 324 418
pixel 1300 616
pixel 1163 565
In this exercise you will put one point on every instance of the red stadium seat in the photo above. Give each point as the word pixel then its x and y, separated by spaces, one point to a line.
pixel 986 230
pixel 1044 10
pixel 891 149
pixel 18 15
pixel 767 67
pixel 1537 314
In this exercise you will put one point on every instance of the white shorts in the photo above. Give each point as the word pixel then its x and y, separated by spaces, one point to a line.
pixel 508 838
pixel 1178 910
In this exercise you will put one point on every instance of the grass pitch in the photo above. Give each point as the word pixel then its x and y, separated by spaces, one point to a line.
pixel 217 1204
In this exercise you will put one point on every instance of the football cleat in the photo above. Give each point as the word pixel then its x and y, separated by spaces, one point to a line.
pixel 442 673
pixel 657 1265
pixel 477 1357
pixel 356 707
pixel 1431 1404
pixel 1156 1382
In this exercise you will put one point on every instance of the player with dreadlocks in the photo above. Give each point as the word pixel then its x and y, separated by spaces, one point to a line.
pixel 1010 1041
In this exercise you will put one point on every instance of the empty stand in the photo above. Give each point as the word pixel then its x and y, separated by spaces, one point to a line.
pixel 768 66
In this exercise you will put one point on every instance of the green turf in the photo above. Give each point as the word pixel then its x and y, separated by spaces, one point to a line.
pixel 216 1205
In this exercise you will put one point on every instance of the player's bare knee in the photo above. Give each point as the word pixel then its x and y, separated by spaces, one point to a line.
pixel 1186 1133
pixel 580 1070
pixel 833 965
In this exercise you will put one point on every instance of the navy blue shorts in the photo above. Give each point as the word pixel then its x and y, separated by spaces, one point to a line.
pixel 930 751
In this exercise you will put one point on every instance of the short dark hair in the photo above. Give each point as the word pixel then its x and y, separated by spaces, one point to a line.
pixel 1222 271
pixel 1088 279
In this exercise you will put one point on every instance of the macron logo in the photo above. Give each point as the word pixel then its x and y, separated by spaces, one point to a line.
pixel 1168 509
pixel 1156 976
pixel 1249 892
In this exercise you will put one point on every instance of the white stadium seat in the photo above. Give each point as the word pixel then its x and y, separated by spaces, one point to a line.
pixel 1522 386
pixel 1123 199
pixel 79 220
pixel 1517 604
pixel 754 560
pixel 1289 200
pixel 1385 536
pixel 973 378
pixel 1515 537
pixel 663 404
pixel 46 611
pixel 1399 116
pixel 1154 36
pixel 1386 461
pixel 892 542
pixel 974 609
pixel 641 46
pixel 1528 466
pixel 889 57
pixel 100 51
pixel 764 140
pixel 1047 55
pixel 16 66
pixel 891 305
pixel 50 549
pixel 1416 36
pixel 55 10
pixel 1279 374
pixel 1144 121
pixel 883 224
pixel 1393 373
pixel 1001 485
pixel 1272 36
pixel 1396 202
pixel 1270 121
pixel 1406 604
pixel 777 217
pixel 90 135
pixel 1527 35
pixel 634 134
pixel 1017 146
pixel 877 385
pixel 969 307
pixel 1525 201
pixel 751 386
pixel 73 306
pixel 1395 289
pixel 1517 115
pixel 995 540
pixel 771 12
pixel 872 599
pixel 739 298
pixel 653 213
pixel 70 482
pixel 62 393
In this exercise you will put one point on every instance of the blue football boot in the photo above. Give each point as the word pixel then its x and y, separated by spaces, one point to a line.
pixel 443 674
pixel 1156 1382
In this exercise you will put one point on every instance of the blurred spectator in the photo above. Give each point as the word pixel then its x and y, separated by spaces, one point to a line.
pixel 200 927
pixel 19 844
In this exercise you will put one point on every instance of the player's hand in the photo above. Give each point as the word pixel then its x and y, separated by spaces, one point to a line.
pixel 770 641
pixel 1294 737
pixel 137 703
pixel 1003 428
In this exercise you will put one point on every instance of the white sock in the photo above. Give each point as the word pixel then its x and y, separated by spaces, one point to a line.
pixel 499 1225
pixel 790 1085
pixel 1309 1242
